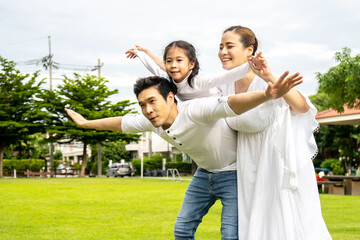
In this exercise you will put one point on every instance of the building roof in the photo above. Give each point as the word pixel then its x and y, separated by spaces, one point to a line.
pixel 350 116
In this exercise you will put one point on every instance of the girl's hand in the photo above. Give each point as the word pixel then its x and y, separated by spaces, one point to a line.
pixel 131 53
pixel 283 85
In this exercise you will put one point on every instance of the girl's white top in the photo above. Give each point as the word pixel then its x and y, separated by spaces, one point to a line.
pixel 202 85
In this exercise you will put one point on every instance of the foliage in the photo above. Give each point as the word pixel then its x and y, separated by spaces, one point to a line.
pixel 183 167
pixel 35 166
pixel 87 95
pixel 342 82
pixel 20 111
pixel 152 163
pixel 334 165
pixel 35 146
pixel 114 151
pixel 22 165
pixel 336 141
pixel 58 155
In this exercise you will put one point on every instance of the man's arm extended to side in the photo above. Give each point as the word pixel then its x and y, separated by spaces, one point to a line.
pixel 243 102
pixel 112 124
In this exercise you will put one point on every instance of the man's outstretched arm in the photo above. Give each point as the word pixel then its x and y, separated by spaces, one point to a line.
pixel 243 102
pixel 112 124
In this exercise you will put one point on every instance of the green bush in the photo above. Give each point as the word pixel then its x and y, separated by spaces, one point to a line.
pixel 328 162
pixel 333 164
pixel 35 166
pixel 183 167
pixel 22 165
pixel 153 163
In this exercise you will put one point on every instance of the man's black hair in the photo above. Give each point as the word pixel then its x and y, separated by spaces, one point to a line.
pixel 163 85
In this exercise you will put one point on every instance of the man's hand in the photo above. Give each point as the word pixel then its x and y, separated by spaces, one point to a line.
pixel 283 85
pixel 77 118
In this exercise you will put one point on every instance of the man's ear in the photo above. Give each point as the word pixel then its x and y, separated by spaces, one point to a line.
pixel 170 97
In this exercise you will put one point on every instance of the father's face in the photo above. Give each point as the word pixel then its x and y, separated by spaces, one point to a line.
pixel 156 108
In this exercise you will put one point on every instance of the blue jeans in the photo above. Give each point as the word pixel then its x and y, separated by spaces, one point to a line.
pixel 203 191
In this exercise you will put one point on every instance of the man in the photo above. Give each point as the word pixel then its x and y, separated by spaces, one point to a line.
pixel 198 128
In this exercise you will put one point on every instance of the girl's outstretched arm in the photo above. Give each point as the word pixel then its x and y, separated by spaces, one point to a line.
pixel 131 53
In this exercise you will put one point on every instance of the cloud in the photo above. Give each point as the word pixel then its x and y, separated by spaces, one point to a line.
pixel 317 52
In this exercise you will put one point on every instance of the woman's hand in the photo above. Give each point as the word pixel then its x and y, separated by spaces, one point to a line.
pixel 260 67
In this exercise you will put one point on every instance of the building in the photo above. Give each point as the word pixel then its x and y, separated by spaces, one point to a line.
pixel 152 143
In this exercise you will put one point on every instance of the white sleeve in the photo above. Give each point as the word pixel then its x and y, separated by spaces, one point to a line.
pixel 210 109
pixel 150 64
pixel 136 123
pixel 205 82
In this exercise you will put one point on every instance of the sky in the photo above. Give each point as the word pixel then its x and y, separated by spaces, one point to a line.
pixel 299 36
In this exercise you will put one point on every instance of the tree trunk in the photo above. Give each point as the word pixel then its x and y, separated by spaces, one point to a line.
pixel 83 163
pixel 99 170
pixel 193 167
pixel 2 149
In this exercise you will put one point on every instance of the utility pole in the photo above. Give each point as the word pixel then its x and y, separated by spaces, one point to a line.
pixel 50 64
pixel 51 150
pixel 99 145
pixel 150 143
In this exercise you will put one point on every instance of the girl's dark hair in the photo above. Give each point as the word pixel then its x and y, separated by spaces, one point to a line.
pixel 190 53
pixel 163 85
pixel 247 37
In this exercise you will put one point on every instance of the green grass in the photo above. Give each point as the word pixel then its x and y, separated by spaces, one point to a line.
pixel 124 208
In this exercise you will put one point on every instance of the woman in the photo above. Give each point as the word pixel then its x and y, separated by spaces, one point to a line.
pixel 277 189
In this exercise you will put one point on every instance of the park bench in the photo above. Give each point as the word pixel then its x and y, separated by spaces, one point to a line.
pixel 331 187
pixel 337 184
pixel 40 174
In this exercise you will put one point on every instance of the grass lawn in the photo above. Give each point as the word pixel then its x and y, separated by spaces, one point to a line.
pixel 124 208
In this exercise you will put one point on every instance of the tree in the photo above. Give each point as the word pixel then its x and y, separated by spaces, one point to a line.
pixel 87 95
pixel 342 82
pixel 20 114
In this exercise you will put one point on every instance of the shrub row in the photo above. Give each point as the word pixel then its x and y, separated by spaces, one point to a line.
pixel 182 167
pixel 155 163
pixel 22 165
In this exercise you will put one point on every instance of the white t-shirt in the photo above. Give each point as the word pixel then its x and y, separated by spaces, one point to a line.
pixel 200 130
pixel 202 85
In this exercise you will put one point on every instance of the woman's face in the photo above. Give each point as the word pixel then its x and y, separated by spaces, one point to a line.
pixel 232 52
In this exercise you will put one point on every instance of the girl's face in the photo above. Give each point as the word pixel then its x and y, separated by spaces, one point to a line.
pixel 232 52
pixel 177 64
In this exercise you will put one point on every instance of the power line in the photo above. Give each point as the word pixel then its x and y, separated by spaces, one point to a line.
pixel 14 43
pixel 56 65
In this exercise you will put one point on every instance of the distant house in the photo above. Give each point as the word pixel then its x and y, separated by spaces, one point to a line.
pixel 72 152
pixel 152 143
pixel 350 116
pixel 333 117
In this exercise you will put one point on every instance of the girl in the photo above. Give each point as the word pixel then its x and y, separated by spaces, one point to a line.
pixel 182 67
